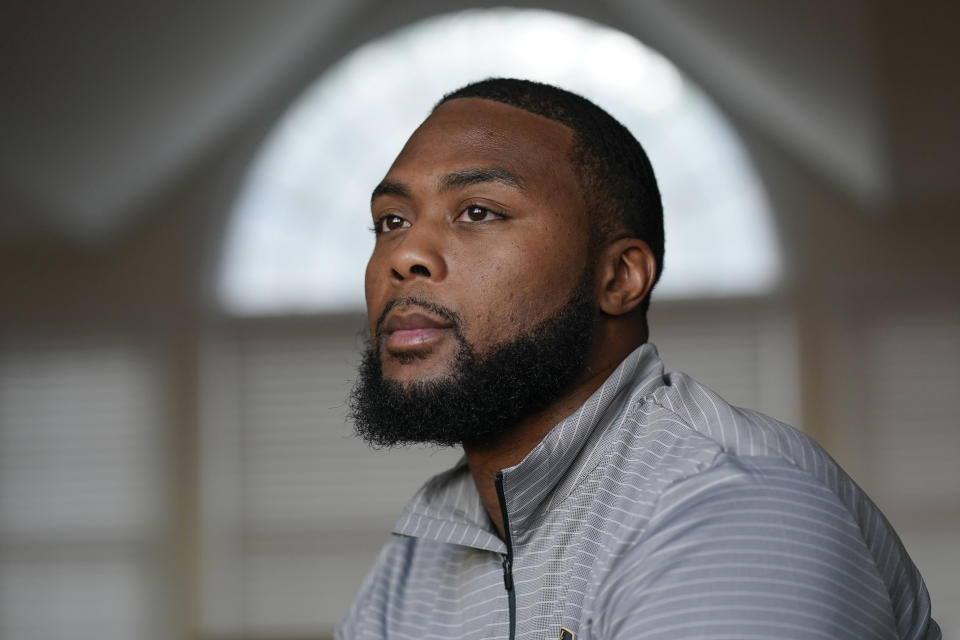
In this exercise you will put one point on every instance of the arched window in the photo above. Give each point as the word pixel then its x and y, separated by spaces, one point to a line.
pixel 299 237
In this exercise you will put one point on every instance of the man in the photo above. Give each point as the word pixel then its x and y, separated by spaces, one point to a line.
pixel 518 236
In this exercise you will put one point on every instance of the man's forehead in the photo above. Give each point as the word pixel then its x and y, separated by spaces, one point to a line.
pixel 473 132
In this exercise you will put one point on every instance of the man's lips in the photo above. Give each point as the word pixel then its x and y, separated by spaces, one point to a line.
pixel 413 329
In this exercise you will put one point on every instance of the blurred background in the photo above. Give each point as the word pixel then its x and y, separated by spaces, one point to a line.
pixel 184 224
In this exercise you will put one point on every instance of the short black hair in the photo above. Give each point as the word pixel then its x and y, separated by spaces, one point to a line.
pixel 613 170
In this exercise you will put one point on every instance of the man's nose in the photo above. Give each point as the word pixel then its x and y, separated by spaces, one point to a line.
pixel 419 254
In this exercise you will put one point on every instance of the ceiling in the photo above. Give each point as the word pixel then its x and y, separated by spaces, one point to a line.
pixel 106 105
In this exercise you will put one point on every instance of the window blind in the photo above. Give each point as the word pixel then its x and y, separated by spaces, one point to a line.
pixel 912 372
pixel 80 491
pixel 295 507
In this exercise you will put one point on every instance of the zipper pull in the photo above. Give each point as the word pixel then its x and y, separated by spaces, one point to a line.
pixel 507 573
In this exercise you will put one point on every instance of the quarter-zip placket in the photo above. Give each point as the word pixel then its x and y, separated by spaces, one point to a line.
pixel 508 557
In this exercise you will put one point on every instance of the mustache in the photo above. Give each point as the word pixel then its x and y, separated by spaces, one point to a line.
pixel 437 310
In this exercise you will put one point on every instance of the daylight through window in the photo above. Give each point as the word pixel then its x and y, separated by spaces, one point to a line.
pixel 299 236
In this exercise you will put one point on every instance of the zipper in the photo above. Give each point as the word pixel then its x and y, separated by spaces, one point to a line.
pixel 508 557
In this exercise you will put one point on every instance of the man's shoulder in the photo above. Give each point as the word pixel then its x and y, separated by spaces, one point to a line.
pixel 763 488
pixel 754 539
pixel 680 435
pixel 709 423
pixel 680 439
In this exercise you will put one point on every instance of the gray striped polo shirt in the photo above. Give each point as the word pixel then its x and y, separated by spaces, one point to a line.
pixel 656 510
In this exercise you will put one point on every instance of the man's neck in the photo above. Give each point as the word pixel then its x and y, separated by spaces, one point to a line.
pixel 507 450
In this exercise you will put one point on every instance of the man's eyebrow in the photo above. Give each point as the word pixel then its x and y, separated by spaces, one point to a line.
pixel 477 175
pixel 453 180
pixel 390 188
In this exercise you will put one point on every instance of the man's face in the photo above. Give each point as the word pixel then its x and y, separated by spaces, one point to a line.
pixel 481 236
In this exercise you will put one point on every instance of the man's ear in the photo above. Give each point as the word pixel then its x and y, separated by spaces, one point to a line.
pixel 625 271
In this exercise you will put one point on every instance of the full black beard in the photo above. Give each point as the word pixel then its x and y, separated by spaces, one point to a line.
pixel 484 396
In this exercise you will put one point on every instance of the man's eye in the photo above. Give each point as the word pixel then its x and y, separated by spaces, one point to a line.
pixel 477 213
pixel 390 222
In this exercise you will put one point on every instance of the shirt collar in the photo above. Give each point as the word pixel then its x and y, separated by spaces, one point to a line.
pixel 448 507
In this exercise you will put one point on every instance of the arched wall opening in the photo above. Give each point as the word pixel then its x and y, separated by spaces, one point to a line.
pixel 294 243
